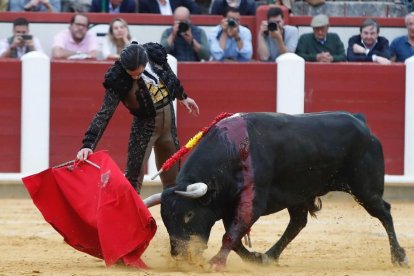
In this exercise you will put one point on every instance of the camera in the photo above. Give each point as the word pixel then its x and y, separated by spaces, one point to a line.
pixel 231 22
pixel 183 27
pixel 272 26
pixel 27 37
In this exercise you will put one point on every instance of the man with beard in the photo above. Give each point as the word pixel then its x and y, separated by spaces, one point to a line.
pixel 75 42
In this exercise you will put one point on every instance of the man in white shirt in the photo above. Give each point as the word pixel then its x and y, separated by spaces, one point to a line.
pixel 21 42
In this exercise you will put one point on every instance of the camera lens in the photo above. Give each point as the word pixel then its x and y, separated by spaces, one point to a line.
pixel 272 26
pixel 231 22
pixel 183 27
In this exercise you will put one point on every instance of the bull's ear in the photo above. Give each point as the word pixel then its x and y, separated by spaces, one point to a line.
pixel 195 190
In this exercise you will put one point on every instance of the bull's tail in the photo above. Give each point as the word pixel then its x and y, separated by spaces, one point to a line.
pixel 314 205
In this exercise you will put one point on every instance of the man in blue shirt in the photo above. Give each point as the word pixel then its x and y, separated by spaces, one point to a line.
pixel 403 47
pixel 230 40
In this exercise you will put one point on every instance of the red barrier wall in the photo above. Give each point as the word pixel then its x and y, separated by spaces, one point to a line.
pixel 10 115
pixel 377 91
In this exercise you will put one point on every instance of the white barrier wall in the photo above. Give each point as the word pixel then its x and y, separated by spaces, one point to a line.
pixel 409 118
pixel 290 84
pixel 34 154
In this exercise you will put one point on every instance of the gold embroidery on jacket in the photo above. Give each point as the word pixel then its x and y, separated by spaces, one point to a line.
pixel 159 92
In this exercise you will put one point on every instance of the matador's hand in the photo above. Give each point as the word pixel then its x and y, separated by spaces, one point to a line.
pixel 83 154
pixel 191 106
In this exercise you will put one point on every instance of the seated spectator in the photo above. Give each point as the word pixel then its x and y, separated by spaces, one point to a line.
pixel 185 41
pixel 117 39
pixel 21 42
pixel 245 7
pixel 4 5
pixel 75 42
pixel 403 47
pixel 274 37
pixel 320 45
pixel 35 5
pixel 368 45
pixel 166 7
pixel 230 40
pixel 76 5
pixel 114 6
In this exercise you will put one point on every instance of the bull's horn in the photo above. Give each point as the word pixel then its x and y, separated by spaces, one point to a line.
pixel 150 201
pixel 195 190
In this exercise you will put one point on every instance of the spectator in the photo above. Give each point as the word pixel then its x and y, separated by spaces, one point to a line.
pixel 403 47
pixel 185 41
pixel 75 42
pixel 117 39
pixel 143 81
pixel 4 5
pixel 276 38
pixel 166 7
pixel 245 7
pixel 35 5
pixel 76 5
pixel 21 42
pixel 114 6
pixel 320 45
pixel 230 40
pixel 368 45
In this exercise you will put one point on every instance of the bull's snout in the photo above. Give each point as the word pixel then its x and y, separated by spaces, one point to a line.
pixel 186 249
pixel 175 247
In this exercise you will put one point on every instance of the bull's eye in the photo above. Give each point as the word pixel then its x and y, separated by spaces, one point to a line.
pixel 188 216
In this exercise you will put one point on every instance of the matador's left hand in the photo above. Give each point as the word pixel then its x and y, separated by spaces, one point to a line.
pixel 191 106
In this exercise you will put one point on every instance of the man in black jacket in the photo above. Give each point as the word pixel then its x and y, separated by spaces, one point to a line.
pixel 143 81
pixel 368 46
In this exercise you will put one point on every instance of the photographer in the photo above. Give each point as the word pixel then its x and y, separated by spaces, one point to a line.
pixel 275 38
pixel 230 40
pixel 21 42
pixel 185 41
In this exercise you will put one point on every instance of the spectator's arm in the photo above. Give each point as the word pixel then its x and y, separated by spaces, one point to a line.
pixel 216 50
pixel 167 41
pixel 291 41
pixel 61 53
pixel 262 49
pixel 339 51
pixel 246 51
pixel 202 48
pixel 302 50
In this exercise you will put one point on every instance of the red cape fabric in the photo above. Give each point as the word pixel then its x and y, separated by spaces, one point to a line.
pixel 97 211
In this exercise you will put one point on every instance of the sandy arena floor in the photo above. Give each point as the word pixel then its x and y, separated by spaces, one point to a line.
pixel 343 240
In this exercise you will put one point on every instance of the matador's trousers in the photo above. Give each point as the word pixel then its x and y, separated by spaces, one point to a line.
pixel 159 133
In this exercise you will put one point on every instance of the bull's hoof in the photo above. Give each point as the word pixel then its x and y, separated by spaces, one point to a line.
pixel 259 258
pixel 402 263
pixel 399 258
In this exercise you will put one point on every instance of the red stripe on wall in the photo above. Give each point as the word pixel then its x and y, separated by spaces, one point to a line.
pixel 10 114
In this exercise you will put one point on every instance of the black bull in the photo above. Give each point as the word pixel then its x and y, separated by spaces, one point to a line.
pixel 254 164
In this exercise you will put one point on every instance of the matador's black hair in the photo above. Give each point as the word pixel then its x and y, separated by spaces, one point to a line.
pixel 133 56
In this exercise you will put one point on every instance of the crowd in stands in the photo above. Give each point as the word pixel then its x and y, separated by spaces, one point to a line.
pixel 229 40
pixel 164 7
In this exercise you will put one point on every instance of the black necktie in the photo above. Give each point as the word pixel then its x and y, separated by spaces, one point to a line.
pixel 149 75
